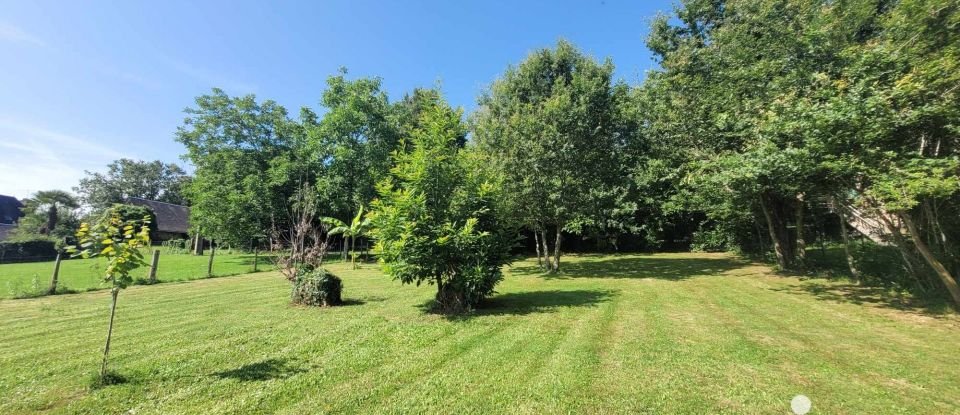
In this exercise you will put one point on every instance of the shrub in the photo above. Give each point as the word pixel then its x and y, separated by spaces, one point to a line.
pixel 38 248
pixel 316 288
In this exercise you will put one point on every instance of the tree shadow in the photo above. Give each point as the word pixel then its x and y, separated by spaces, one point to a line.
pixel 872 296
pixel 530 302
pixel 673 269
pixel 263 370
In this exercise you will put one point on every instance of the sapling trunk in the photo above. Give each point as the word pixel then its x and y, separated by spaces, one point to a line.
pixel 353 252
pixel 801 242
pixel 536 243
pixel 556 249
pixel 55 278
pixel 213 250
pixel 106 349
pixel 546 250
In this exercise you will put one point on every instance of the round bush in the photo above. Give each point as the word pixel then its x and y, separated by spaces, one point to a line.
pixel 317 288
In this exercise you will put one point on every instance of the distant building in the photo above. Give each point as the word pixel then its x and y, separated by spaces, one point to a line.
pixel 10 214
pixel 10 210
pixel 173 221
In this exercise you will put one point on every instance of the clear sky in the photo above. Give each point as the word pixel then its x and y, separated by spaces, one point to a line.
pixel 84 83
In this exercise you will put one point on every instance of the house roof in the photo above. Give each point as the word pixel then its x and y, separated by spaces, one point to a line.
pixel 9 209
pixel 170 218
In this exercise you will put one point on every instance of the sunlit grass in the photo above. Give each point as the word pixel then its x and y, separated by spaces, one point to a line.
pixel 33 278
pixel 666 333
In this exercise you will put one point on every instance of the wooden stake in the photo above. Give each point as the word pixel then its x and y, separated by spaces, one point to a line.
pixel 56 276
pixel 153 266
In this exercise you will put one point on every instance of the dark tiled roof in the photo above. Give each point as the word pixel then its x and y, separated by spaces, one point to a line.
pixel 170 218
pixel 9 209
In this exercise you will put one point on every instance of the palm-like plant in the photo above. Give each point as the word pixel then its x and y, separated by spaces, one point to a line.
pixel 357 227
pixel 51 203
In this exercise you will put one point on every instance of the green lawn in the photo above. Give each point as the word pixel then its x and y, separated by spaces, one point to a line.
pixel 29 278
pixel 665 333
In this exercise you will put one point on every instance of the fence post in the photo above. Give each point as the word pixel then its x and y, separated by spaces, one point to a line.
pixel 153 266
pixel 256 254
pixel 56 276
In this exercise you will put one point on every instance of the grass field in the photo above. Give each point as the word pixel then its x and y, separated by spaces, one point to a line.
pixel 665 333
pixel 30 278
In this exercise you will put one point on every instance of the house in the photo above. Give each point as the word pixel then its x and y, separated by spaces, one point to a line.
pixel 10 213
pixel 173 221
pixel 10 210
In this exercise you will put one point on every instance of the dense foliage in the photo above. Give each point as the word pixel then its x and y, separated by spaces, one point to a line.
pixel 126 178
pixel 767 125
pixel 435 220
pixel 317 287
pixel 28 248
pixel 776 108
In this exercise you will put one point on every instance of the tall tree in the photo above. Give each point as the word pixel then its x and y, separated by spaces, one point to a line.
pixel 555 126
pixel 125 178
pixel 234 142
pixel 354 141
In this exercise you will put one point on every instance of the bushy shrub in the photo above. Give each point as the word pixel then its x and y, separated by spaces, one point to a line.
pixel 37 248
pixel 317 287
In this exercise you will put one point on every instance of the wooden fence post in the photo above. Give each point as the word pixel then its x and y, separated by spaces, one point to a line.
pixel 153 266
pixel 256 254
pixel 56 276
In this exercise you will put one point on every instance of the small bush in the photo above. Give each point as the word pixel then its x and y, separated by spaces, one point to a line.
pixel 317 288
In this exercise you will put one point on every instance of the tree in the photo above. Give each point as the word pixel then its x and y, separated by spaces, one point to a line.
pixel 354 140
pixel 435 220
pixel 45 209
pixel 126 178
pixel 235 144
pixel 357 228
pixel 119 242
pixel 556 126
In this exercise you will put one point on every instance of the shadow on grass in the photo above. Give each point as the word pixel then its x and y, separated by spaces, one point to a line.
pixel 673 269
pixel 264 370
pixel 873 296
pixel 361 301
pixel 524 303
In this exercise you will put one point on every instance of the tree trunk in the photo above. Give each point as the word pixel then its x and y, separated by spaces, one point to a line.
pixel 846 244
pixel 198 244
pixel 556 249
pixel 536 243
pixel 774 226
pixel 213 250
pixel 52 219
pixel 898 240
pixel 55 278
pixel 106 349
pixel 546 250
pixel 353 255
pixel 801 242
pixel 932 260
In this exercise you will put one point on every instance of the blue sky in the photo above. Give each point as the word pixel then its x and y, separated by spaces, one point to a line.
pixel 83 83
